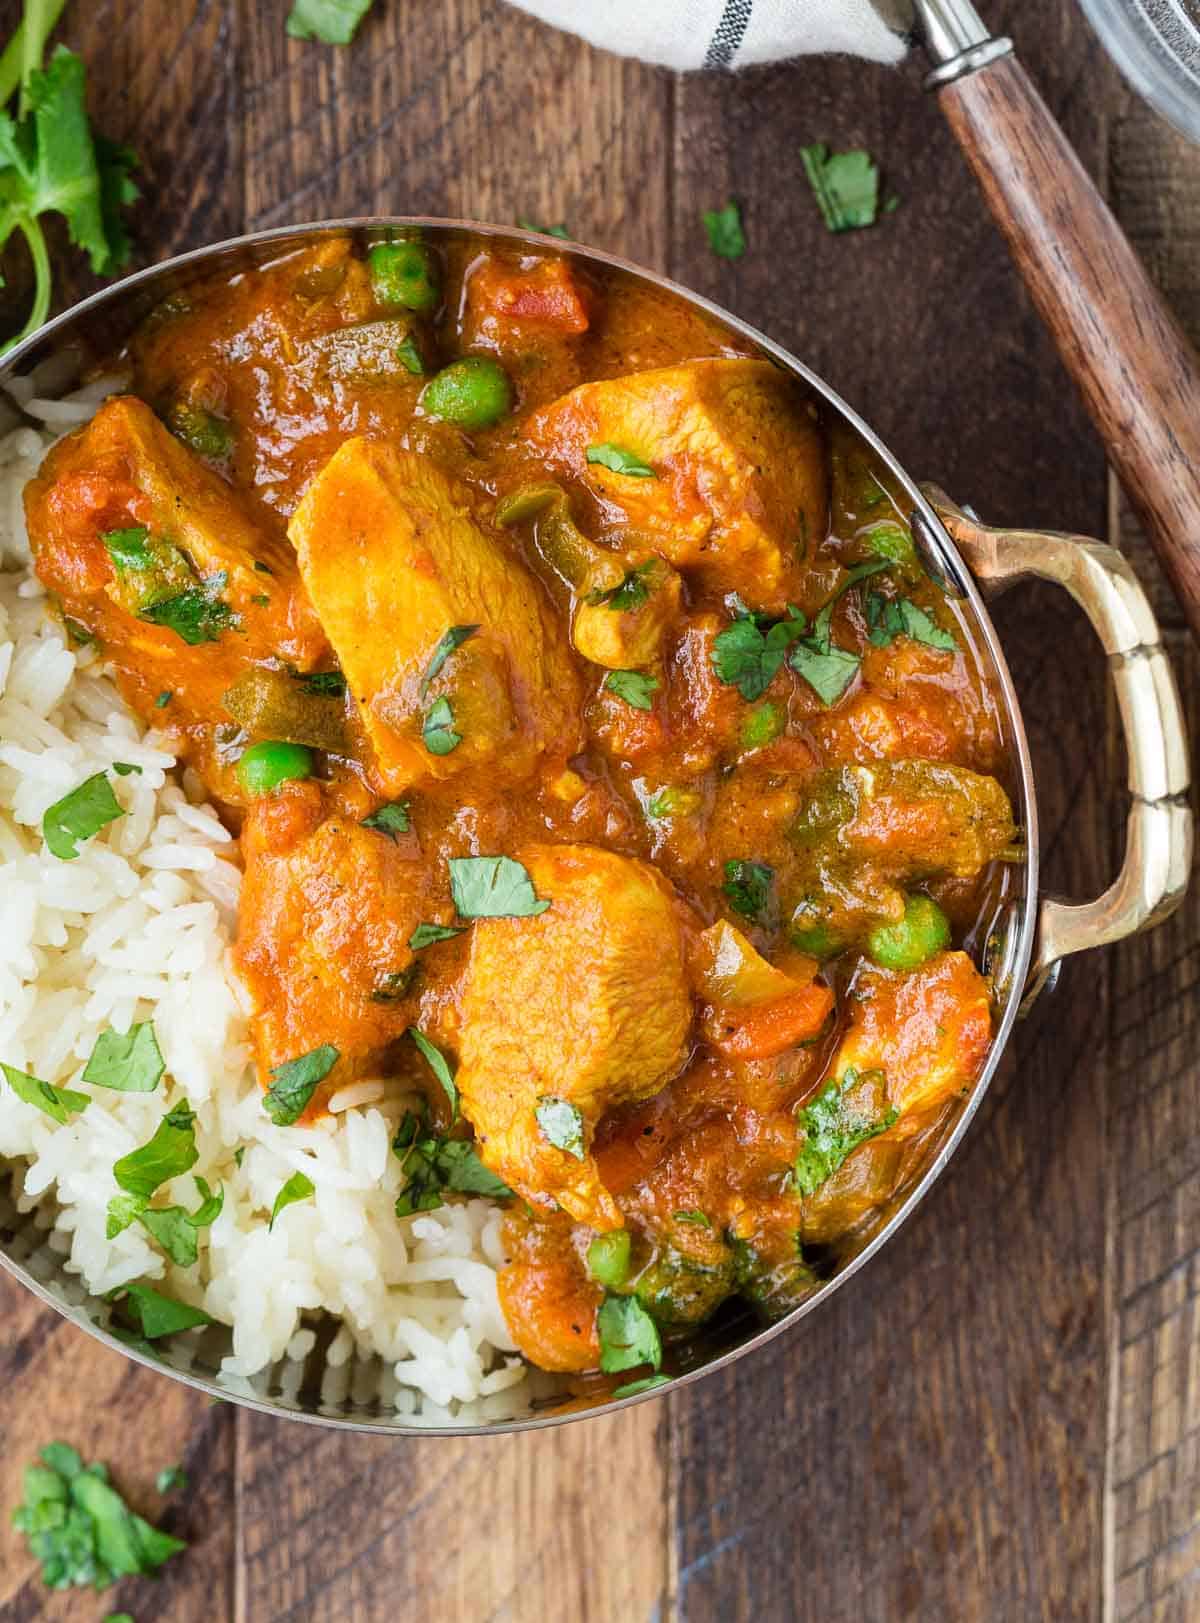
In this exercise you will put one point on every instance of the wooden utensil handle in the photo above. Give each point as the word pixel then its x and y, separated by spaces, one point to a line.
pixel 1139 376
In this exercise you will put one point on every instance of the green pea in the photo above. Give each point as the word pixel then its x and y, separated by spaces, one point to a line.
pixel 402 276
pixel 474 392
pixel 818 941
pixel 265 766
pixel 761 725
pixel 608 1258
pixel 924 930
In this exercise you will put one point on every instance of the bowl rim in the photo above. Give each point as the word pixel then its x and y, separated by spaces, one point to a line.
pixel 289 238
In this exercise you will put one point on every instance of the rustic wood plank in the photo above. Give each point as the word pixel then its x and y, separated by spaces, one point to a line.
pixel 461 109
pixel 74 1390
pixel 547 1525
pixel 935 1437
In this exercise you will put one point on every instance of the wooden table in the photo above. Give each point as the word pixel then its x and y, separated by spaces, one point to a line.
pixel 1000 1419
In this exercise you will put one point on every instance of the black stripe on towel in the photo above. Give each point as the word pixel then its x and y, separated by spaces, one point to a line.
pixel 730 32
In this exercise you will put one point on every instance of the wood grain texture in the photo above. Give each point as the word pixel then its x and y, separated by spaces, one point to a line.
pixel 528 1529
pixel 1126 351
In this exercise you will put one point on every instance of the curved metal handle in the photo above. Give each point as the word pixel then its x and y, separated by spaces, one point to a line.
pixel 1158 848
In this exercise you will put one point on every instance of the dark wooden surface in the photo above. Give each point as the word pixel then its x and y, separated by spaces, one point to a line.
pixel 998 1419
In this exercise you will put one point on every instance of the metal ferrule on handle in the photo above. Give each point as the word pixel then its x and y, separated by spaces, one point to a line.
pixel 1158 849
pixel 957 40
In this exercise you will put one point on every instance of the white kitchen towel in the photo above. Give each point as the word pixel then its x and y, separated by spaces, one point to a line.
pixel 732 33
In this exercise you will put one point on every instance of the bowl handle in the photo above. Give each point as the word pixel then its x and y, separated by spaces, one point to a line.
pixel 1158 847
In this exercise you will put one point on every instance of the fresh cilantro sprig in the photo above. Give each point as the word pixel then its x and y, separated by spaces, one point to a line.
pixel 747 654
pixel 51 162
pixel 845 185
pixel 850 1110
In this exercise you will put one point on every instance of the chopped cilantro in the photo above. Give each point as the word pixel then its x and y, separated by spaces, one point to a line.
pixel 888 618
pixel 78 815
pixel 409 356
pixel 628 1335
pixel 437 730
pixel 545 230
pixel 827 669
pixel 326 684
pixel 845 184
pixel 700 1219
pixel 155 1313
pixel 844 1114
pixel 80 636
pixel 80 1529
pixel 436 1061
pixel 725 235
pixel 390 818
pixel 170 1478
pixel 124 769
pixel 295 1081
pixel 493 888
pixel 197 615
pixel 618 460
pixel 449 640
pixel 629 593
pixel 127 1062
pixel 60 1104
pixel 333 22
pixel 169 1153
pixel 748 889
pixel 173 1227
pixel 561 1125
pixel 164 699
pixel 433 1164
pixel 747 654
pixel 635 687
pixel 426 934
pixel 298 1187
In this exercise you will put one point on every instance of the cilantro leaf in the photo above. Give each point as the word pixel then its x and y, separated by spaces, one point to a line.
pixel 628 1335
pixel 725 235
pixel 391 818
pixel 170 1478
pixel 493 888
pixel 88 808
pixel 157 1314
pixel 436 1061
pixel 888 618
pixel 437 730
pixel 325 684
pixel 748 888
pixel 298 1187
pixel 50 162
pixel 127 1062
pixel 635 687
pixel 333 22
pixel 829 671
pixel 198 614
pixel 434 1164
pixel 449 640
pixel 175 1228
pixel 618 460
pixel 295 1081
pixel 60 1104
pixel 630 592
pixel 561 1125
pixel 700 1219
pixel 426 934
pixel 845 184
pixel 747 656
pixel 80 1529
pixel 169 1153
pixel 646 1384
pixel 410 356
pixel 545 230
pixel 846 1113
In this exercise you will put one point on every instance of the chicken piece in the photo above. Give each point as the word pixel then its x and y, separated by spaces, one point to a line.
pixel 587 1003
pixel 739 474
pixel 327 909
pixel 915 1042
pixel 548 1299
pixel 187 593
pixel 393 560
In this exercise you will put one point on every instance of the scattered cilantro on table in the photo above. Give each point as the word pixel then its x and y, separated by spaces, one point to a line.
pixel 845 185
pixel 333 22
pixel 726 237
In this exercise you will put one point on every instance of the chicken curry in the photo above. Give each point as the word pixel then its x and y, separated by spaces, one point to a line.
pixel 610 778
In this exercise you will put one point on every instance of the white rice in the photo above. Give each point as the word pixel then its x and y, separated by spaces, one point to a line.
pixel 139 928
